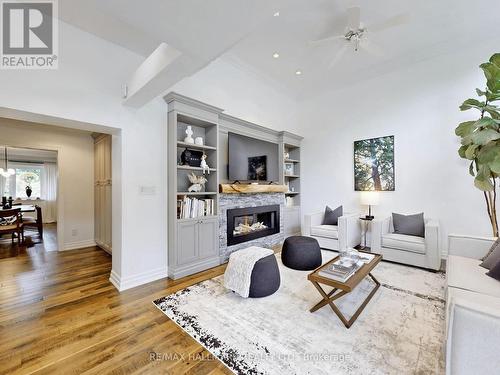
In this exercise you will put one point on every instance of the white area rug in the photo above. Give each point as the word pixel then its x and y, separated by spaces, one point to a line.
pixel 401 330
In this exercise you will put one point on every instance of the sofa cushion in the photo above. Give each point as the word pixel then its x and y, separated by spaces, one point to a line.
pixel 465 273
pixel 328 231
pixel 492 257
pixel 396 241
pixel 411 225
pixel 495 271
pixel 332 216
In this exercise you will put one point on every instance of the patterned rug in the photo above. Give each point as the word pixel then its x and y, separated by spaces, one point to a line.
pixel 401 330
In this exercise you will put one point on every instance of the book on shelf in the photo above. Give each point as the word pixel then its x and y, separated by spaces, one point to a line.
pixel 188 208
pixel 339 272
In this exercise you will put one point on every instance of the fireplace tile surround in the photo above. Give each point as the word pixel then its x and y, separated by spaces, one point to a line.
pixel 232 201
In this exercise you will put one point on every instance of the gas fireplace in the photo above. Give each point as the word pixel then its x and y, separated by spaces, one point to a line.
pixel 246 224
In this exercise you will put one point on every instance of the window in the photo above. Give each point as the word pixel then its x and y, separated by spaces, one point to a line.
pixel 28 176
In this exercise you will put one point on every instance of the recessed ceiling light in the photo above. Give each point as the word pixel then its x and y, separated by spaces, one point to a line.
pixel 298 72
pixel 276 14
pixel 276 55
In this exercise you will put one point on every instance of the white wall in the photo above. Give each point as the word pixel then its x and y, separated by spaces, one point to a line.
pixel 243 94
pixel 76 174
pixel 419 106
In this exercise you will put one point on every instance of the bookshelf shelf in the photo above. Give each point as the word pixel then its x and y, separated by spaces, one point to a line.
pixel 195 147
pixel 197 193
pixel 188 168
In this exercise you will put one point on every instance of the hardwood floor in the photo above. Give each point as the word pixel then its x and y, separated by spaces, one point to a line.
pixel 60 314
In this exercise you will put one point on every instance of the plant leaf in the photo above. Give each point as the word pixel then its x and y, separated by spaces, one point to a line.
pixel 486 122
pixel 482 180
pixel 470 153
pixel 488 153
pixel 485 136
pixel 495 165
pixel 495 59
pixel 461 151
pixel 480 93
pixel 493 111
pixel 465 128
pixel 472 103
pixel 471 169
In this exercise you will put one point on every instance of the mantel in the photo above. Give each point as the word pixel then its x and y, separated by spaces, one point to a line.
pixel 251 188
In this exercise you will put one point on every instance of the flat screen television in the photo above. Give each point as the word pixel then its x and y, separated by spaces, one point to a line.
pixel 252 159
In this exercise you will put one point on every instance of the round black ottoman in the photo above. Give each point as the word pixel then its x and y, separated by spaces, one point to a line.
pixel 301 253
pixel 265 278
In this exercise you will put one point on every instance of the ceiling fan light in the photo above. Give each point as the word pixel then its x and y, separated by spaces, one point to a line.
pixel 276 55
pixel 298 72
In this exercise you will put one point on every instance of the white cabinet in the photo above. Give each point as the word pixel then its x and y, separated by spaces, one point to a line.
pixel 102 191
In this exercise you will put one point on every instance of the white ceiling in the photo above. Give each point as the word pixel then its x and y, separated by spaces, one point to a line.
pixel 205 29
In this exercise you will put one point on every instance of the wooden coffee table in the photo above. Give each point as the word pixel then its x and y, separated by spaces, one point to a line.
pixel 342 288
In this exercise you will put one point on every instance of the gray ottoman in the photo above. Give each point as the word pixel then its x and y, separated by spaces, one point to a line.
pixel 301 253
pixel 265 277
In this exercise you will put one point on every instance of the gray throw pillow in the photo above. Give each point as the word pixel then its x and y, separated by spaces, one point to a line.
pixel 493 256
pixel 493 247
pixel 495 272
pixel 411 225
pixel 332 216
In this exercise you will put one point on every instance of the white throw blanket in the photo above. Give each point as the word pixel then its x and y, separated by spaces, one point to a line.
pixel 238 273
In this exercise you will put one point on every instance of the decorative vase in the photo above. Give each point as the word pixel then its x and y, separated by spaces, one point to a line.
pixel 189 135
pixel 28 191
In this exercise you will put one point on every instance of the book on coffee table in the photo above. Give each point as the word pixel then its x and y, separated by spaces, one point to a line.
pixel 337 271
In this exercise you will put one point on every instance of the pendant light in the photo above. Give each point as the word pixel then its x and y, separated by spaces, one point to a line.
pixel 7 172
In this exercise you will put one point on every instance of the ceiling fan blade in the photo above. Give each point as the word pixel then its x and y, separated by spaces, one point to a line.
pixel 354 18
pixel 341 52
pixel 371 48
pixel 327 39
pixel 397 20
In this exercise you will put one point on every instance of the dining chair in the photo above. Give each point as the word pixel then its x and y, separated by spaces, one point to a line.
pixel 11 223
pixel 35 223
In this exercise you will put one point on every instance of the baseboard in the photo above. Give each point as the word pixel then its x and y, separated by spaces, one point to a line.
pixel 124 283
pixel 78 245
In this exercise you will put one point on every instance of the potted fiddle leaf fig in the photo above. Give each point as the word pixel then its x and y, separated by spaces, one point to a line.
pixel 480 138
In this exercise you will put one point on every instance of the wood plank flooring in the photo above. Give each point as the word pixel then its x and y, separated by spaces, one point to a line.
pixel 60 314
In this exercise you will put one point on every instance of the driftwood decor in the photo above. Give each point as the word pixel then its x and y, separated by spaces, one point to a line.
pixel 251 188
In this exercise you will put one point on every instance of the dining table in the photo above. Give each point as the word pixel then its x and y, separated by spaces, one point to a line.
pixel 22 207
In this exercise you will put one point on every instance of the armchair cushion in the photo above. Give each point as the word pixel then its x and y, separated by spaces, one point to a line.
pixel 332 216
pixel 411 225
pixel 492 257
pixel 465 273
pixel 412 244
pixel 328 231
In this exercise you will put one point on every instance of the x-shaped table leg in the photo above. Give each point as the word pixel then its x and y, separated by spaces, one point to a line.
pixel 328 299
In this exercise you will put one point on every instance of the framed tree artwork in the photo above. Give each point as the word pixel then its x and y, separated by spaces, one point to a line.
pixel 374 164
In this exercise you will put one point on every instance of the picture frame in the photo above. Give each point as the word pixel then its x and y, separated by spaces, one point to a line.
pixel 289 169
pixel 374 168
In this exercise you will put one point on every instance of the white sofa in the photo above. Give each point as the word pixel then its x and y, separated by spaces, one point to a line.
pixel 413 250
pixel 472 309
pixel 334 237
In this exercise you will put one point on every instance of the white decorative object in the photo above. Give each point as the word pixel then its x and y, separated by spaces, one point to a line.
pixel 198 182
pixel 287 155
pixel 289 201
pixel 189 135
pixel 204 166
pixel 238 273
pixel 198 141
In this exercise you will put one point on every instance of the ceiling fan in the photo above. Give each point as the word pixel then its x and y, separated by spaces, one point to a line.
pixel 356 34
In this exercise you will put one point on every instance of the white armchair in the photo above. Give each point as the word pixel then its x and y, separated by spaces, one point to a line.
pixel 472 309
pixel 334 237
pixel 413 250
